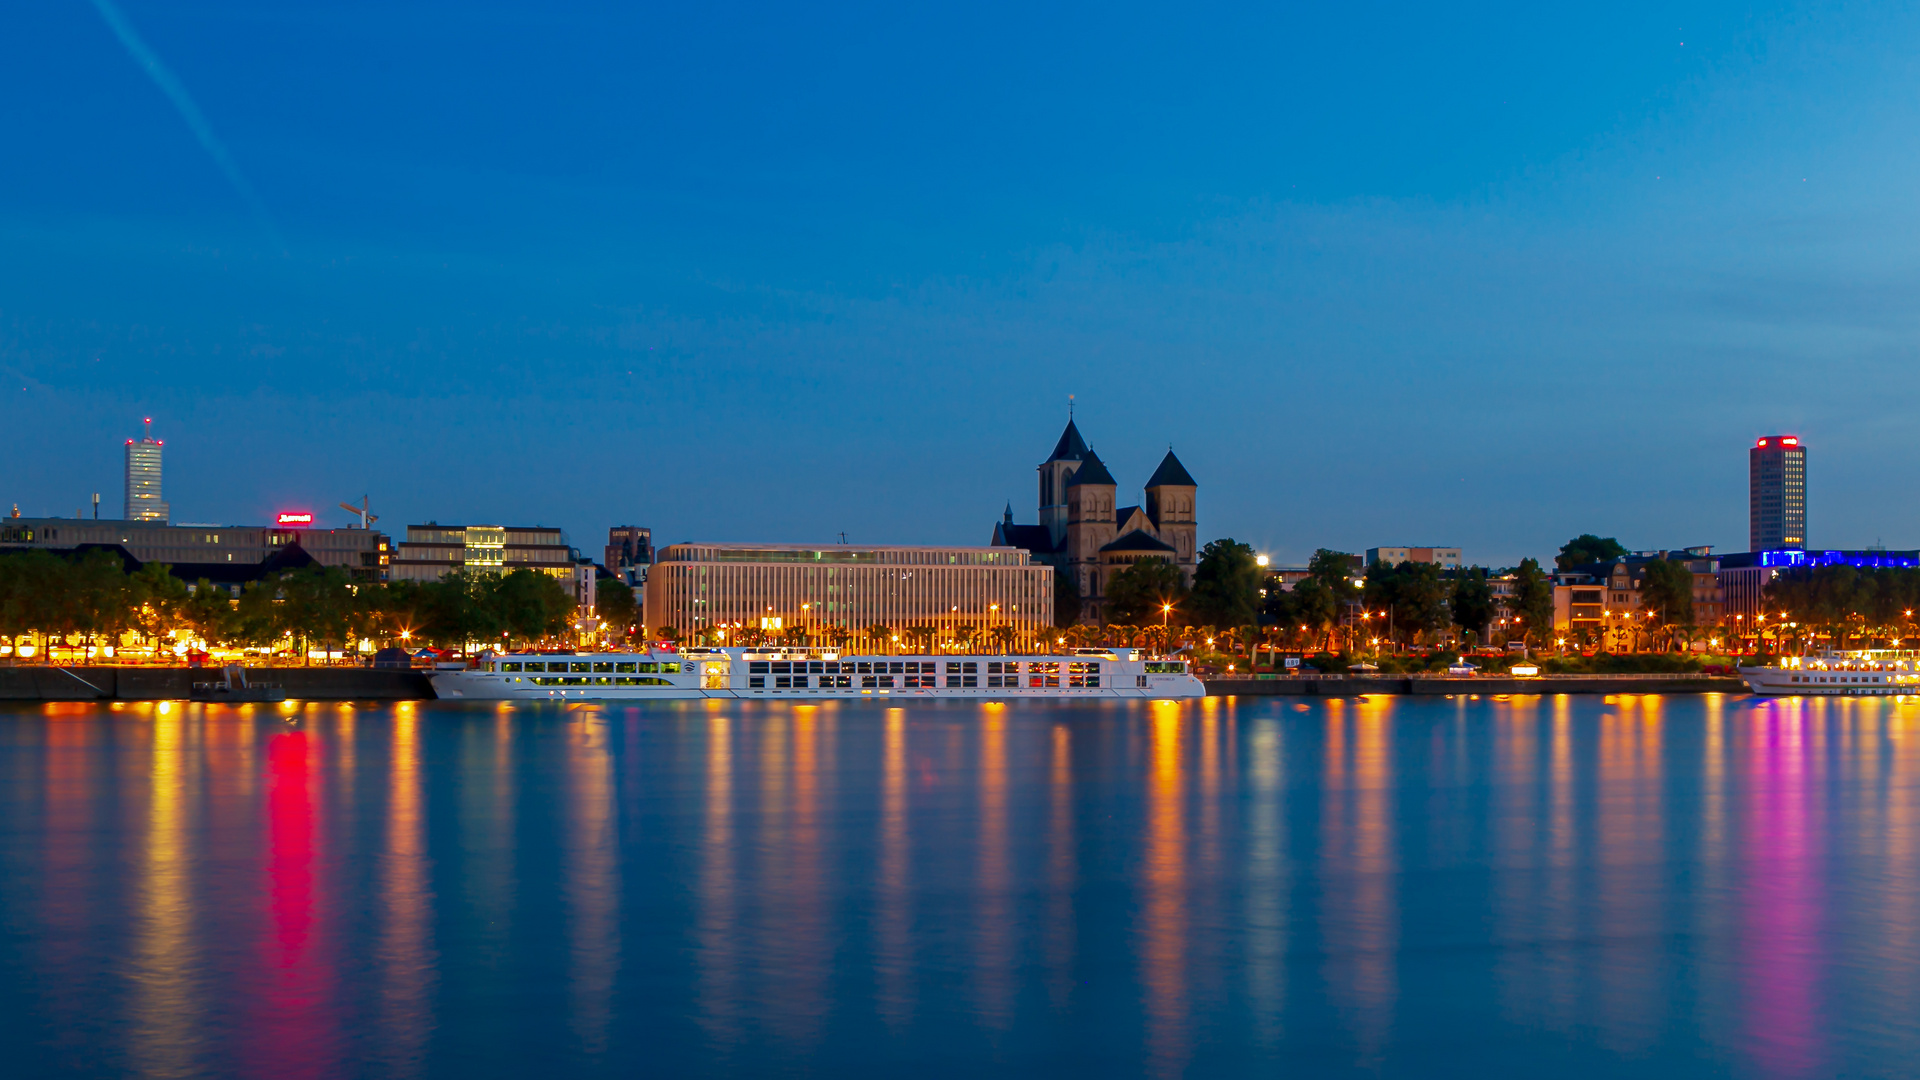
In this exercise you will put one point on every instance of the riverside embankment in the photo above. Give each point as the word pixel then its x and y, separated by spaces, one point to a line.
pixel 110 683
pixel 1351 685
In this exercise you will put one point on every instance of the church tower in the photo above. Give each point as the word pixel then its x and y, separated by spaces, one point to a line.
pixel 1090 525
pixel 1170 506
pixel 1059 467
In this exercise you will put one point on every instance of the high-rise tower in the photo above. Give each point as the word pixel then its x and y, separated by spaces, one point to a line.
pixel 1777 494
pixel 143 479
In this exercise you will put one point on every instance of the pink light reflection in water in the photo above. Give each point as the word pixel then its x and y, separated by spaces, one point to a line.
pixel 291 1036
pixel 1782 905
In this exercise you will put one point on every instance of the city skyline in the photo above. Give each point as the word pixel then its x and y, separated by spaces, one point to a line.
pixel 320 518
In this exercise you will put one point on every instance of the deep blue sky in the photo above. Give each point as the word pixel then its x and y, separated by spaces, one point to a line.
pixel 1381 273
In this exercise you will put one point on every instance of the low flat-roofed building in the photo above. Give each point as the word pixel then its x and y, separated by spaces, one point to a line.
pixel 707 591
pixel 1394 556
pixel 432 551
pixel 361 552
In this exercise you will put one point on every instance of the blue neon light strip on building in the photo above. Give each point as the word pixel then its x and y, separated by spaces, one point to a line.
pixel 1865 560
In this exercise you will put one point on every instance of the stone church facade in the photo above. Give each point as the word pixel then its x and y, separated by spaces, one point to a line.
pixel 1085 534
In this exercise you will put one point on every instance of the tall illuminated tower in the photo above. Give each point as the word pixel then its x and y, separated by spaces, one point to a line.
pixel 1777 494
pixel 143 479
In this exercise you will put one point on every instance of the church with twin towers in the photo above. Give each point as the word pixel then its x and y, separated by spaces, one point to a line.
pixel 1086 535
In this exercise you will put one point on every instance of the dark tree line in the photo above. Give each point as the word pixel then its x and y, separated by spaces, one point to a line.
pixel 92 600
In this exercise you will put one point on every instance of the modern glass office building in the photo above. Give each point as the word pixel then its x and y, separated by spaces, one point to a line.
pixel 1777 494
pixel 711 592
pixel 144 501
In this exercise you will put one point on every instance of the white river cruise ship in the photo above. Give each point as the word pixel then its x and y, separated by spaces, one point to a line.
pixel 813 674
pixel 1864 672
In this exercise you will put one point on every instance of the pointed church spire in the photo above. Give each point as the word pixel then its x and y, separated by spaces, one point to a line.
pixel 1071 446
pixel 1171 473
pixel 1008 518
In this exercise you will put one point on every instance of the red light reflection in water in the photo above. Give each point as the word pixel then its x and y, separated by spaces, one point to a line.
pixel 292 1034
pixel 1782 908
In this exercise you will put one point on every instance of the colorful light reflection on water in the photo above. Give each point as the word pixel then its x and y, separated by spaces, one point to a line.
pixel 1346 887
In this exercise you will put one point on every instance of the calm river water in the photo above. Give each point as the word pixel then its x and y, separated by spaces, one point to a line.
pixel 1571 886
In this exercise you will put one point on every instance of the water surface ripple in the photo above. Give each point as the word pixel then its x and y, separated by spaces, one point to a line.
pixel 1574 886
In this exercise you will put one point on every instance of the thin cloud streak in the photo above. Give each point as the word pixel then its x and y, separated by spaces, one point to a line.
pixel 196 121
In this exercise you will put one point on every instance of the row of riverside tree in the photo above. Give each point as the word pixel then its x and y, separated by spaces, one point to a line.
pixel 92 599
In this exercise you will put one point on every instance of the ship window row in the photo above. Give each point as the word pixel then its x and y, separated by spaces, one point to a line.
pixel 850 667
pixel 603 680
pixel 585 665
pixel 920 682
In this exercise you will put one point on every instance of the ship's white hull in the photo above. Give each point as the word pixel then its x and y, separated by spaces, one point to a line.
pixel 743 674
pixel 455 686
pixel 1833 680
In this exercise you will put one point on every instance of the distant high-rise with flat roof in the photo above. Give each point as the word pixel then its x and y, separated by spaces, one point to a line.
pixel 144 502
pixel 1777 494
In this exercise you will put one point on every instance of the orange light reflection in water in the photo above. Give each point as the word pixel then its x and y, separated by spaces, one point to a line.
pixel 993 912
pixel 1360 914
pixel 166 1002
pixel 1267 877
pixel 1629 890
pixel 893 956
pixel 1163 954
pixel 592 883
pixel 1517 836
pixel 1063 869
pixel 404 951
pixel 795 947
pixel 66 879
pixel 717 929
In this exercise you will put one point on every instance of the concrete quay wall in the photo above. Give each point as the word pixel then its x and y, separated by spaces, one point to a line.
pixel 106 683
pixel 1351 685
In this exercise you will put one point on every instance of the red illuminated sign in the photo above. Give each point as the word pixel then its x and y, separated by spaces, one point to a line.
pixel 294 519
pixel 1790 441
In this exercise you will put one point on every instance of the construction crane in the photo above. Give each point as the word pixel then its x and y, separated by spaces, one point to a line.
pixel 366 518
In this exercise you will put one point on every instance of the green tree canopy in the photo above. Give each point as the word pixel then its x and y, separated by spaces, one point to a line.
pixel 1226 585
pixel 1134 595
pixel 1335 573
pixel 1472 602
pixel 1414 592
pixel 616 605
pixel 1314 606
pixel 1533 602
pixel 1666 589
pixel 1587 549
